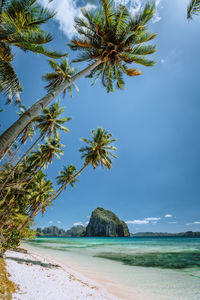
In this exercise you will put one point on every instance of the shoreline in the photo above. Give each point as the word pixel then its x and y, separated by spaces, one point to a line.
pixel 42 278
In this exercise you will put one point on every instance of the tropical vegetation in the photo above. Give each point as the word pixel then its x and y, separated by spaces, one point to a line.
pixel 110 39
pixel 20 26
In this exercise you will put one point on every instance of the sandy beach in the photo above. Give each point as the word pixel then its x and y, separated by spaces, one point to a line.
pixel 38 278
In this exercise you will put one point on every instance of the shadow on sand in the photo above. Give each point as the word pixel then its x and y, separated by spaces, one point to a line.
pixel 33 262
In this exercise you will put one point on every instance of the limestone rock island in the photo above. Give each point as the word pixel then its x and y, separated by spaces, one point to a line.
pixel 106 223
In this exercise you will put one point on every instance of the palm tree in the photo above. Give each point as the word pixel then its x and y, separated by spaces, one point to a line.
pixel 66 175
pixel 113 39
pixel 20 26
pixel 45 154
pixel 48 123
pixel 97 152
pixel 193 8
pixel 61 72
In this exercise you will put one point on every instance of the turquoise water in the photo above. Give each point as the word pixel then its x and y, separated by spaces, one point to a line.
pixel 132 268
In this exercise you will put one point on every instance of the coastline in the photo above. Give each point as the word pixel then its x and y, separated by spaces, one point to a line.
pixel 40 278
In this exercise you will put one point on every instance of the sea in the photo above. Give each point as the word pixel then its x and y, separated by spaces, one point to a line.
pixel 138 268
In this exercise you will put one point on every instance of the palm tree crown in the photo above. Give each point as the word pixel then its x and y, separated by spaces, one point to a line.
pixel 98 149
pixel 116 38
pixel 62 72
pixel 66 175
pixel 193 8
pixel 49 122
pixel 20 22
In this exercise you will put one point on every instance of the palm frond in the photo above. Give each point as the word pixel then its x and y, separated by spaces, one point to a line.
pixel 193 8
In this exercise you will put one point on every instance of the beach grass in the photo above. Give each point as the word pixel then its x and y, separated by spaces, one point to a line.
pixel 7 287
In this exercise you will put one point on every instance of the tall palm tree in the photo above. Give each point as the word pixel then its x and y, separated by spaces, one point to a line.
pixel 97 152
pixel 37 160
pixel 20 26
pixel 193 8
pixel 48 123
pixel 112 39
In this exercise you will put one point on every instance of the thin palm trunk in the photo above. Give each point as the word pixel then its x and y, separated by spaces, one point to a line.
pixel 38 210
pixel 21 159
pixel 10 206
pixel 15 154
pixel 9 135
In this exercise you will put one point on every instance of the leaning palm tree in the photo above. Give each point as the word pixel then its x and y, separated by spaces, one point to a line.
pixel 20 26
pixel 193 8
pixel 98 152
pixel 48 123
pixel 109 39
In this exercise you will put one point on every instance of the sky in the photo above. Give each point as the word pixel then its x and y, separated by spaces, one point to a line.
pixel 154 184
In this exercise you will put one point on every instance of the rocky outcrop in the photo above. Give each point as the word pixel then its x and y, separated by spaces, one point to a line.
pixel 76 231
pixel 106 223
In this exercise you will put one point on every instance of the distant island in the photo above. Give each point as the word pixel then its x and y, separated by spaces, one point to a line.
pixel 102 223
pixel 106 224
pixel 80 231
pixel 166 234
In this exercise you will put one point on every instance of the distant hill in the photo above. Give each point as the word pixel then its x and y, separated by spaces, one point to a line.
pixel 106 224
pixel 53 231
pixel 163 234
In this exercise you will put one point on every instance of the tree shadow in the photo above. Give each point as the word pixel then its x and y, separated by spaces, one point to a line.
pixel 33 262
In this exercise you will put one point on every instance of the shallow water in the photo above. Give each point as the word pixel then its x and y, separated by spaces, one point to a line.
pixel 132 268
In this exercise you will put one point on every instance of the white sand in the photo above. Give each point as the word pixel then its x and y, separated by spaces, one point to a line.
pixel 42 279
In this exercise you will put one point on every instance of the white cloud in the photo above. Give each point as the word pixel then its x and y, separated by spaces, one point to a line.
pixel 50 222
pixel 147 220
pixel 59 222
pixel 86 223
pixel 134 7
pixel 162 61
pixel 78 223
pixel 152 219
pixel 172 222
pixel 139 222
pixel 168 216
pixel 193 223
pixel 67 10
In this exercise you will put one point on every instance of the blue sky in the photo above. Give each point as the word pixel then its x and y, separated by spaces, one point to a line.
pixel 154 183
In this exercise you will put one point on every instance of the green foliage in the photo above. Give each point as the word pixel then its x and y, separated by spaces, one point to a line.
pixel 98 149
pixel 20 26
pixel 49 123
pixel 112 36
pixel 61 72
pixel 66 175
pixel 193 8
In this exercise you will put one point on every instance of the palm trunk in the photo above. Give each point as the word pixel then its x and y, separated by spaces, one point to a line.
pixel 21 159
pixel 15 153
pixel 38 210
pixel 10 206
pixel 9 135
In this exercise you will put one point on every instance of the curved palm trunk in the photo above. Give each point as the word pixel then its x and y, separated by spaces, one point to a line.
pixel 21 159
pixel 6 212
pixel 38 210
pixel 9 135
